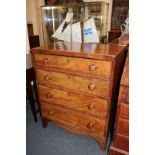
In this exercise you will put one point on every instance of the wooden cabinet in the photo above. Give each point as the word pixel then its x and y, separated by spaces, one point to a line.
pixel 120 144
pixel 119 13
pixel 77 85
pixel 120 10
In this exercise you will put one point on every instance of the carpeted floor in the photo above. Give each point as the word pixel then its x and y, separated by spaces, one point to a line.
pixel 56 141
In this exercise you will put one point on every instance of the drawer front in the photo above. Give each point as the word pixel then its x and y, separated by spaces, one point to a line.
pixel 86 85
pixel 122 126
pixel 123 110
pixel 70 118
pixel 87 66
pixel 124 94
pixel 121 142
pixel 94 106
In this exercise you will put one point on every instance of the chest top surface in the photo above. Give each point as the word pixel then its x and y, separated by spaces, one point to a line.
pixel 86 50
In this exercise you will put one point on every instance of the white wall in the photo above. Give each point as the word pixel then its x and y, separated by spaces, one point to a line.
pixel 27 43
pixel 33 15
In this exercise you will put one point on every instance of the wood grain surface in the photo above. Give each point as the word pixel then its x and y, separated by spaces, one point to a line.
pixel 87 85
pixel 71 64
pixel 124 94
pixel 78 86
pixel 95 106
pixel 121 142
pixel 86 50
pixel 122 126
pixel 123 110
pixel 57 114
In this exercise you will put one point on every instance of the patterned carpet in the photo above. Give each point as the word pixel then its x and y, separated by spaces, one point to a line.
pixel 56 141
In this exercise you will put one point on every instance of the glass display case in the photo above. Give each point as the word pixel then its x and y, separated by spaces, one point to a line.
pixel 119 13
pixel 75 22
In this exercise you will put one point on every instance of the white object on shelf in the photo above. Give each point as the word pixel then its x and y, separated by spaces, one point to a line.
pixel 69 17
pixel 58 32
pixel 76 33
pixel 66 34
pixel 72 32
pixel 125 27
pixel 90 32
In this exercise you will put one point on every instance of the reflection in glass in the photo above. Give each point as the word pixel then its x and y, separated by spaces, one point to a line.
pixel 83 22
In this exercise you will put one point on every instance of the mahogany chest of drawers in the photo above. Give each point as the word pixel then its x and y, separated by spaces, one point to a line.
pixel 120 144
pixel 77 84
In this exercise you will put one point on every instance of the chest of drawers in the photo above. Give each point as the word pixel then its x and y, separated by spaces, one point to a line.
pixel 120 144
pixel 77 85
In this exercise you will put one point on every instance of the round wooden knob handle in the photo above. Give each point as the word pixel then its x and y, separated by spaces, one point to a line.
pixel 91 106
pixel 47 77
pixel 92 67
pixel 45 61
pixel 92 86
pixel 48 95
pixel 123 96
pixel 51 112
pixel 90 125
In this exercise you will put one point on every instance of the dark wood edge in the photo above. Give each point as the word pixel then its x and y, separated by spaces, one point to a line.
pixel 114 91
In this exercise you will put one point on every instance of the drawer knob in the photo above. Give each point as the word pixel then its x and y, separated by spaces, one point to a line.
pixel 45 61
pixel 48 95
pixel 90 125
pixel 123 96
pixel 92 67
pixel 47 77
pixel 92 86
pixel 51 112
pixel 91 106
pixel 124 90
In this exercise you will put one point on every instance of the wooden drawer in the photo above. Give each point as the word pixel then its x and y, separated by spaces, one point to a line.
pixel 122 126
pixel 94 106
pixel 80 65
pixel 81 122
pixel 121 142
pixel 86 85
pixel 124 94
pixel 123 110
